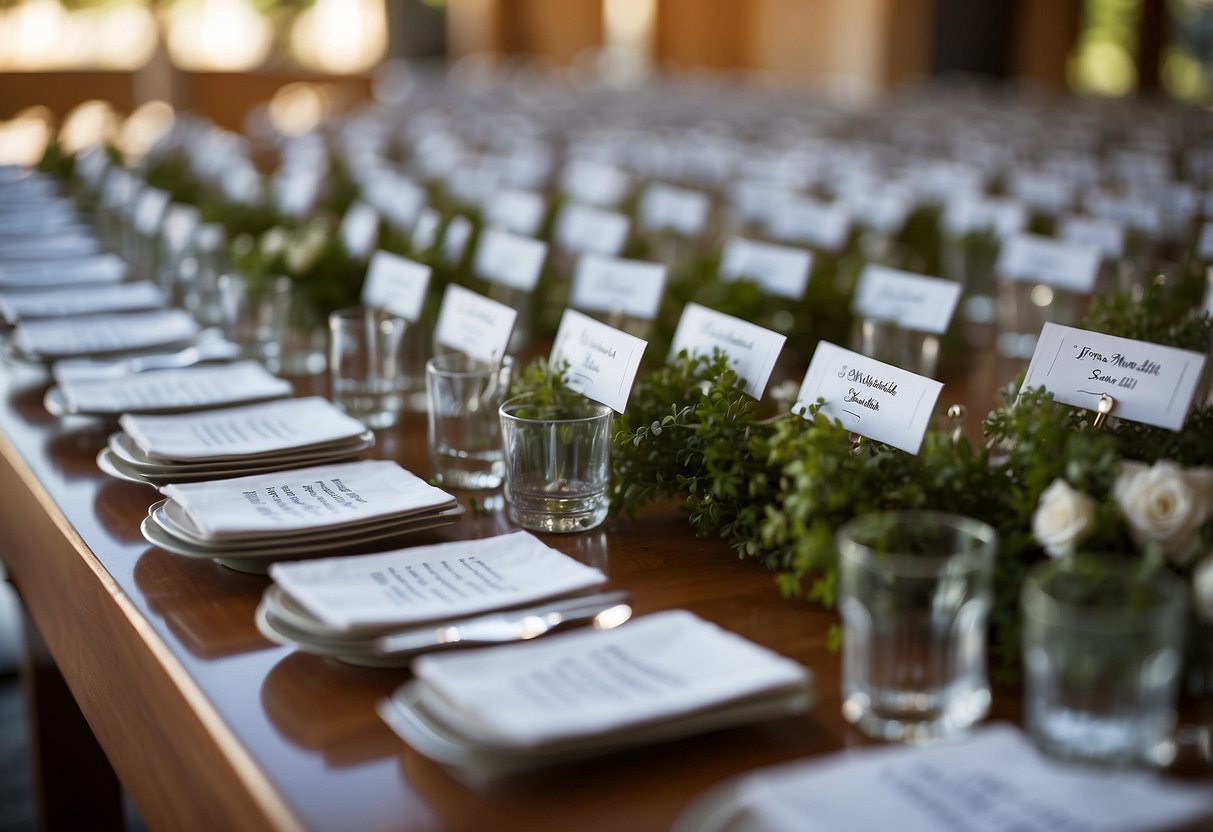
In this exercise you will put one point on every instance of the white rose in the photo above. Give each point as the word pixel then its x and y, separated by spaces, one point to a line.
pixel 1164 504
pixel 1062 519
pixel 1202 586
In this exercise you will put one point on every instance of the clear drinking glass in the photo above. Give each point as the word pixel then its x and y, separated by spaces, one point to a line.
pixel 1103 654
pixel 1024 307
pixel 366 358
pixel 892 343
pixel 915 594
pixel 557 464
pixel 464 426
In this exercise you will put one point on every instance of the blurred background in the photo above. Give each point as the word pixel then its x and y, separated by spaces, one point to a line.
pixel 107 66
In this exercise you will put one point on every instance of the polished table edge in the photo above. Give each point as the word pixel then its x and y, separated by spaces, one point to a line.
pixel 272 807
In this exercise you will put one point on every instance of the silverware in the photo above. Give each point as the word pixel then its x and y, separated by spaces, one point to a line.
pixel 606 609
pixel 217 350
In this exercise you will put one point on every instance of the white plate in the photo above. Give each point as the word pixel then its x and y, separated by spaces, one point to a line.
pixel 165 473
pixel 108 465
pixel 273 630
pixel 412 717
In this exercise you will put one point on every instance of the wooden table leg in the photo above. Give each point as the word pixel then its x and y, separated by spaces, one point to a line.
pixel 75 785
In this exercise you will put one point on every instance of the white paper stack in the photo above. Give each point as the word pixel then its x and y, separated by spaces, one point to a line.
pixel 992 782
pixel 249 522
pixel 49 339
pixel 488 713
pixel 232 442
pixel 166 391
pixel 86 300
pixel 383 609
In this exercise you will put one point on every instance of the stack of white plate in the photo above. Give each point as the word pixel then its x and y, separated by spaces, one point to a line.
pixel 232 442
pixel 493 712
pixel 249 522
pixel 383 609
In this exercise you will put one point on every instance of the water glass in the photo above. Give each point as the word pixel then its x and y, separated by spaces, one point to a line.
pixel 463 396
pixel 1024 307
pixel 1103 654
pixel 915 594
pixel 557 464
pixel 892 343
pixel 366 359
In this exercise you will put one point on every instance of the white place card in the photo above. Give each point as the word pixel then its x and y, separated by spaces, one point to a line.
pixel 1149 383
pixel 782 271
pixel 240 182
pixel 803 220
pixel 602 360
pixel 1204 246
pixel 1133 211
pixel 1042 191
pixel 665 207
pixel 993 781
pixel 233 432
pixel 970 213
pixel 81 300
pixel 180 221
pixel 295 191
pixel 912 301
pixel 399 199
pixel 426 583
pixel 615 286
pixel 517 211
pixel 1031 258
pixel 359 229
pixel 590 682
pixel 455 239
pixel 396 284
pixel 582 228
pixel 595 184
pixel 474 325
pixel 197 387
pixel 752 350
pixel 509 259
pixel 1108 236
pixel 82 335
pixel 871 398
pixel 320 497
pixel 425 230
pixel 149 211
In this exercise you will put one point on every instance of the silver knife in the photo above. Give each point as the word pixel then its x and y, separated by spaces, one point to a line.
pixel 606 609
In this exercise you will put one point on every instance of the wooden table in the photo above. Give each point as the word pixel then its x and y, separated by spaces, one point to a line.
pixel 209 726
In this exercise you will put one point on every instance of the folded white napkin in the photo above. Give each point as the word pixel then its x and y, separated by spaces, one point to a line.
pixel 320 497
pixel 192 387
pixel 42 274
pixel 59 337
pixel 50 247
pixel 994 781
pixel 81 300
pixel 590 682
pixel 289 424
pixel 425 583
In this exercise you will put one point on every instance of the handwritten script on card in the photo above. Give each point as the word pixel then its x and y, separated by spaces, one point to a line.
pixel 869 397
pixel 474 324
pixel 602 360
pixel 1149 383
pixel 752 350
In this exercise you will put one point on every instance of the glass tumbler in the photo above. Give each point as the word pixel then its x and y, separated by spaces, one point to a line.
pixel 557 464
pixel 915 595
pixel 366 358
pixel 1103 654
pixel 463 397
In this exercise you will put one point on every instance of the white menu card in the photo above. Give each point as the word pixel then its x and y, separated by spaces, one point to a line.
pixel 81 300
pixel 869 397
pixel 602 360
pixel 425 583
pixel 43 274
pixel 241 431
pixel 320 497
pixel 61 337
pixel 193 387
pixel 1148 382
pixel 993 781
pixel 589 682
pixel 752 350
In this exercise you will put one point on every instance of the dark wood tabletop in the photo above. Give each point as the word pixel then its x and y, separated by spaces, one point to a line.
pixel 209 726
